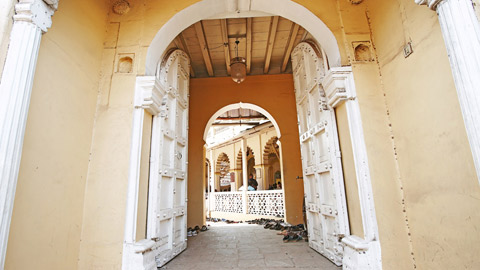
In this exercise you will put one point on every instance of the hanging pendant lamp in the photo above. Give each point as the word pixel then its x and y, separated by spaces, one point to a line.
pixel 238 66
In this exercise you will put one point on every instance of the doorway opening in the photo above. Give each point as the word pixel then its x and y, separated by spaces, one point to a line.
pixel 313 77
pixel 241 188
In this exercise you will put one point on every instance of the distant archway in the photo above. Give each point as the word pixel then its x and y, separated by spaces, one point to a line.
pixel 240 106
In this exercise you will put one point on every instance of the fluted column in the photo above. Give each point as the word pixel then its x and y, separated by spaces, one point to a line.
pixel 32 18
pixel 461 32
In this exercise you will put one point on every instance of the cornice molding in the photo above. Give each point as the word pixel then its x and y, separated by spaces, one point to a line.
pixel 148 94
pixel 432 4
pixel 36 12
pixel 336 85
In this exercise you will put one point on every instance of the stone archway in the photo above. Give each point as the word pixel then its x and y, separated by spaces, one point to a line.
pixel 241 8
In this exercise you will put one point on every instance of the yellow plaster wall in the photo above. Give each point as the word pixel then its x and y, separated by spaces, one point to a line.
pixel 105 194
pixel 349 175
pixel 47 215
pixel 436 169
pixel 274 93
pixel 144 176
pixel 424 115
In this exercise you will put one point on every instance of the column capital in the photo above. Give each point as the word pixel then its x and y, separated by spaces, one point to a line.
pixel 337 86
pixel 432 4
pixel 36 12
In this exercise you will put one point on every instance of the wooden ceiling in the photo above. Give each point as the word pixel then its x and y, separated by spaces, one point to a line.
pixel 265 42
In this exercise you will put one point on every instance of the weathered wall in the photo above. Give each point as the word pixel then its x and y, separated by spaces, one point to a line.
pixel 274 93
pixel 47 215
pixel 436 169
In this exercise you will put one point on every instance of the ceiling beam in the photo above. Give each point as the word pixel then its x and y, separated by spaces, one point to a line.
pixel 182 45
pixel 249 44
pixel 226 47
pixel 236 124
pixel 271 41
pixel 304 36
pixel 204 48
pixel 242 118
pixel 288 51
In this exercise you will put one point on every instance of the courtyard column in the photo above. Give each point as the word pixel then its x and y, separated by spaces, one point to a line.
pixel 233 185
pixel 461 32
pixel 245 175
pixel 259 176
pixel 211 185
pixel 32 18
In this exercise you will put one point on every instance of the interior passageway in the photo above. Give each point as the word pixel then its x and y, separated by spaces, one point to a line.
pixel 245 246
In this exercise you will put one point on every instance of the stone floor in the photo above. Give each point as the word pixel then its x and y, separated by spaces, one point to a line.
pixel 244 246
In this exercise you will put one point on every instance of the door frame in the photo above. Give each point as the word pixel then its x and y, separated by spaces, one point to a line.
pixel 149 94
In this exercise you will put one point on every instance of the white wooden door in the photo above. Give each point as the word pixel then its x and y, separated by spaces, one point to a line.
pixel 167 213
pixel 327 217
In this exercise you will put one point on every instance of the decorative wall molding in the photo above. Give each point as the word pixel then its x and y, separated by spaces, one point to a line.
pixel 430 3
pixel 36 12
pixel 335 88
pixel 340 88
pixel 32 18
pixel 148 94
pixel 361 254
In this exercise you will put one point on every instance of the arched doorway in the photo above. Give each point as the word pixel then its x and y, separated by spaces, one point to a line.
pixel 241 8
pixel 305 120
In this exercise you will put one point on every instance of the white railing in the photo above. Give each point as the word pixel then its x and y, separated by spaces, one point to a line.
pixel 262 202
pixel 266 203
pixel 229 202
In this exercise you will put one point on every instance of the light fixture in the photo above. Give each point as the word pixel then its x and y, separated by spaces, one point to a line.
pixel 238 67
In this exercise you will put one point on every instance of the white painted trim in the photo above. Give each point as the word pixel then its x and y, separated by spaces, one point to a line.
pixel 146 95
pixel 240 106
pixel 236 8
pixel 340 87
pixel 32 18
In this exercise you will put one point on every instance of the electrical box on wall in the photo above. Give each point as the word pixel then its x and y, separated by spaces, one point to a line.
pixel 407 49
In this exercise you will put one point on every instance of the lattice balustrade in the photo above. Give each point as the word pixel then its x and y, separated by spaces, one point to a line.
pixel 266 203
pixel 230 202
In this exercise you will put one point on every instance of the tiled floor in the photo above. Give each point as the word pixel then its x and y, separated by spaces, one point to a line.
pixel 243 246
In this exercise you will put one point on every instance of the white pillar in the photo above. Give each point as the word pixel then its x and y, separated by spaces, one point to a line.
pixel 211 185
pixel 244 175
pixel 134 176
pixel 32 18
pixel 461 32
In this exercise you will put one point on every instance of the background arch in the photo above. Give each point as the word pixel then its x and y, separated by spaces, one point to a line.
pixel 240 105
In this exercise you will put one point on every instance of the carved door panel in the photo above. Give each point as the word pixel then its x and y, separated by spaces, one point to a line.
pixel 167 216
pixel 321 161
